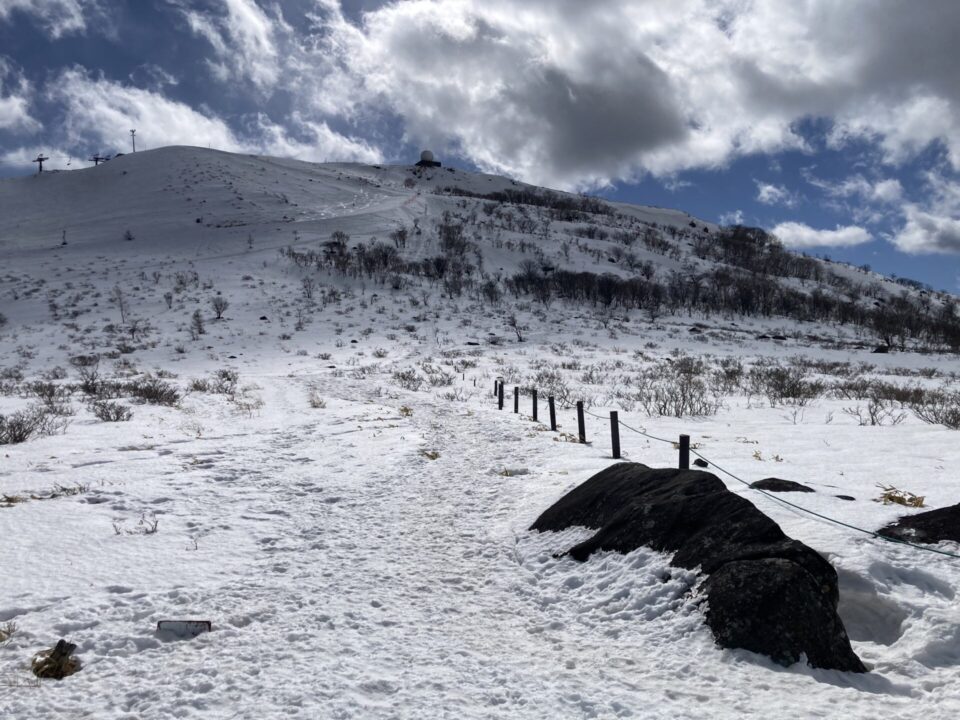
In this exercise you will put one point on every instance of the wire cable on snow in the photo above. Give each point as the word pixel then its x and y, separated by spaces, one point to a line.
pixel 821 516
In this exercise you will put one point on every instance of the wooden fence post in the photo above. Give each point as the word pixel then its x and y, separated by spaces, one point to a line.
pixel 500 395
pixel 534 394
pixel 581 424
pixel 615 434
pixel 553 413
pixel 516 399
pixel 684 452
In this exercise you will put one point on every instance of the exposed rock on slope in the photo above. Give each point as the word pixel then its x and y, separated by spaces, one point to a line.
pixel 778 485
pixel 928 527
pixel 766 592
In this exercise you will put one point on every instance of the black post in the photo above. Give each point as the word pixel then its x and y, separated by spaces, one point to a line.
pixel 615 434
pixel 516 399
pixel 553 413
pixel 500 395
pixel 684 452
pixel 534 393
pixel 581 424
pixel 496 384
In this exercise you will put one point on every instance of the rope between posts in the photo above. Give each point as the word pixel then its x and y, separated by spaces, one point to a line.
pixel 821 516
pixel 825 517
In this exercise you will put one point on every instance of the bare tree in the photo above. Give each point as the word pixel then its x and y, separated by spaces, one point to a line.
pixel 118 298
pixel 196 325
pixel 219 304
pixel 515 325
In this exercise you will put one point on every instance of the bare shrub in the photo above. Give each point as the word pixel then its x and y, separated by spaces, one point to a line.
pixel 408 379
pixel 36 420
pixel 784 385
pixel 436 377
pixel 111 411
pixel 877 412
pixel 219 304
pixel 224 381
pixel 677 391
pixel 550 382
pixel 938 407
pixel 728 377
pixel 155 391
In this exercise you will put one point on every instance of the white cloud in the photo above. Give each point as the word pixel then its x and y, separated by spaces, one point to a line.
pixel 57 17
pixel 933 227
pixel 925 232
pixel 100 113
pixel 798 235
pixel 774 194
pixel 732 218
pixel 15 97
pixel 244 39
pixel 532 89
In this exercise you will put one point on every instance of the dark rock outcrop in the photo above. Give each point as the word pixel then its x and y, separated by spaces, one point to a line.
pixel 927 527
pixel 778 485
pixel 790 606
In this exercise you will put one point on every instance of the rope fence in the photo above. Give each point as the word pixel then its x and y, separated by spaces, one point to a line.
pixel 682 444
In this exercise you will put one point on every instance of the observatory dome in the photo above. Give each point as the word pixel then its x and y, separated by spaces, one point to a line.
pixel 426 156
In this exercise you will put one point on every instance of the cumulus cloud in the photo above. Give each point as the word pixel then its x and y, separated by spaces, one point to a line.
pixel 15 96
pixel 532 89
pixel 734 217
pixel 926 232
pixel 798 235
pixel 99 113
pixel 769 194
pixel 933 227
pixel 57 17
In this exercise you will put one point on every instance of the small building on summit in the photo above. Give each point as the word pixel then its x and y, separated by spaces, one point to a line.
pixel 426 160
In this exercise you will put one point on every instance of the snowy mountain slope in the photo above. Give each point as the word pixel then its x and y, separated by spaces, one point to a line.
pixel 336 491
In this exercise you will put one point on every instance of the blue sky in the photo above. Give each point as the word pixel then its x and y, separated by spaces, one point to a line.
pixel 834 124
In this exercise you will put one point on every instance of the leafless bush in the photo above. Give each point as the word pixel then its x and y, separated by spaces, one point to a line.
pixel 408 379
pixel 111 411
pixel 877 412
pixel 35 421
pixel 436 377
pixel 784 385
pixel 860 388
pixel 728 377
pixel 155 391
pixel 669 391
pixel 938 407
pixel 456 395
pixel 219 304
pixel 550 382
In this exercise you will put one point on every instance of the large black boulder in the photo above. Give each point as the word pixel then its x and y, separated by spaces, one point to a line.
pixel 790 606
pixel 927 527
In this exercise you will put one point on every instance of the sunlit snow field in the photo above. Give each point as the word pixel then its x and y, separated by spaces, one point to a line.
pixel 361 547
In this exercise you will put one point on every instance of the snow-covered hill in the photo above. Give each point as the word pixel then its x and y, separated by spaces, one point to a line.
pixel 322 472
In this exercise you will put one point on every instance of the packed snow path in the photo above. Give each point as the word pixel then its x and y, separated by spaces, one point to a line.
pixel 349 575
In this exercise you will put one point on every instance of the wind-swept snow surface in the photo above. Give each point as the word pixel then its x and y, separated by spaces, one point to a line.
pixel 350 510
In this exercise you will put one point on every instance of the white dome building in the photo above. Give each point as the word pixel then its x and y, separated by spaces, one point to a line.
pixel 426 160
